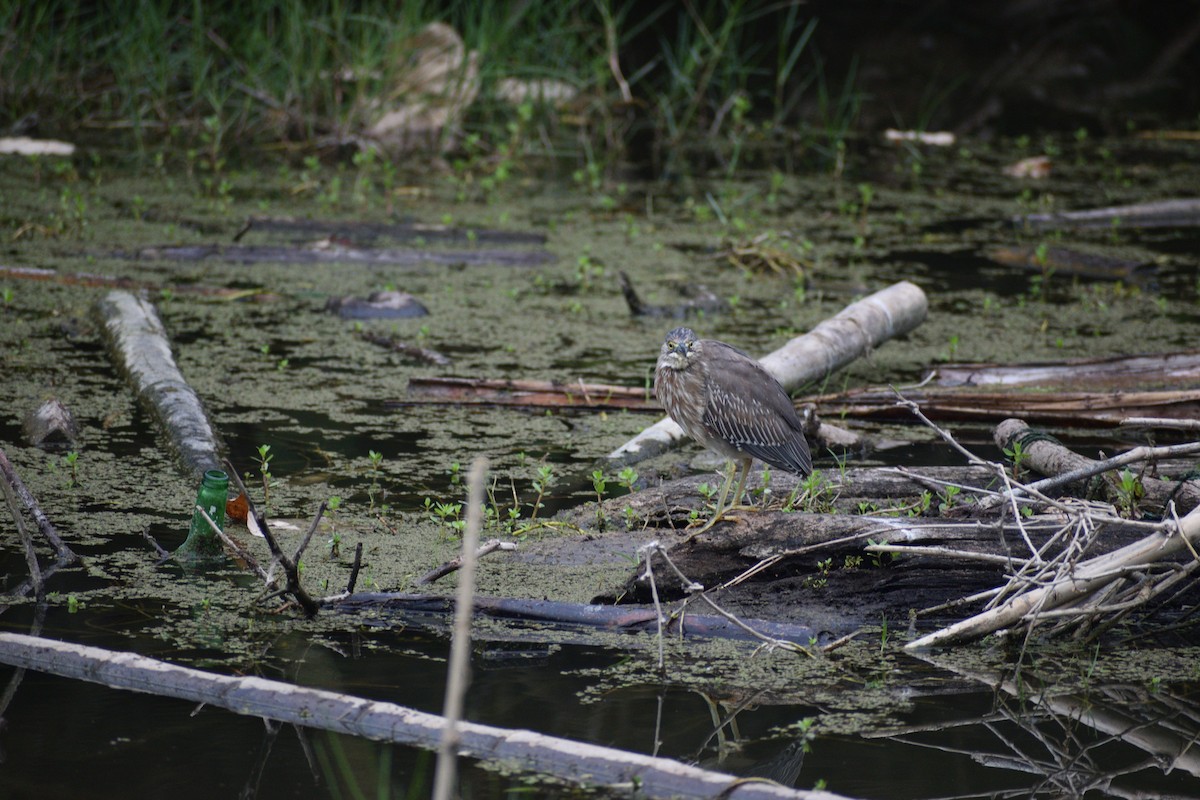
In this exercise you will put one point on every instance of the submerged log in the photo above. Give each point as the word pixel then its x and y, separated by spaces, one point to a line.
pixel 399 231
pixel 92 279
pixel 832 344
pixel 139 344
pixel 525 393
pixel 1069 261
pixel 423 354
pixel 329 252
pixel 1151 369
pixel 1050 458
pixel 563 759
pixel 620 619
pixel 1161 214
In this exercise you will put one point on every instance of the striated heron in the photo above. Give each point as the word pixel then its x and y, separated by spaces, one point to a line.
pixel 727 402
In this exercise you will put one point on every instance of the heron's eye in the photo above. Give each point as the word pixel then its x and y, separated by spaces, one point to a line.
pixel 670 344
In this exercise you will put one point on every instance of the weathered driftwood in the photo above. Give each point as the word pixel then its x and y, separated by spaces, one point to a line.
pixel 1183 212
pixel 1180 369
pixel 139 344
pixel 456 563
pixel 1078 582
pixel 1050 408
pixel 832 344
pixel 1051 458
pixel 398 231
pixel 565 760
pixel 328 252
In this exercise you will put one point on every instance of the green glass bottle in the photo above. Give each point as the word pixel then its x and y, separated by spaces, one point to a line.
pixel 201 541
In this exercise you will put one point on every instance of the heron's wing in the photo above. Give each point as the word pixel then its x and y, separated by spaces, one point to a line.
pixel 750 410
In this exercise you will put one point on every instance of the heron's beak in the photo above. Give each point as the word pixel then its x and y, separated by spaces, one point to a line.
pixel 682 349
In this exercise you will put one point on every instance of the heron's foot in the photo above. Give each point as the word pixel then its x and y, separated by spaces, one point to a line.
pixel 724 515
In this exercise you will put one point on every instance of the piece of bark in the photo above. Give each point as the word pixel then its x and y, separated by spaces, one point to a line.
pixel 139 344
pixel 835 342
pixel 318 708
pixel 1051 458
pixel 423 354
pixel 377 305
pixel 1074 262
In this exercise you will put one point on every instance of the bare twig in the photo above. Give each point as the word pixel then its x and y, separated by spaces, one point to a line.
pixel 490 546
pixel 31 560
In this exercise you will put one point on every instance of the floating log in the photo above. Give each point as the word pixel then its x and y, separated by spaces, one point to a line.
pixel 525 393
pixel 857 329
pixel 1161 214
pixel 1051 458
pixel 1180 369
pixel 1069 261
pixel 139 343
pixel 1045 408
pixel 399 231
pixel 328 252
pixel 563 759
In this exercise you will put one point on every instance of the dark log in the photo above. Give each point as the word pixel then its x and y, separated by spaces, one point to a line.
pixel 1069 261
pixel 91 279
pixel 623 619
pixel 701 301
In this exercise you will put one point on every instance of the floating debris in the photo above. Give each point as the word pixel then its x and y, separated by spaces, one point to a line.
pixel 329 251
pixel 934 138
pixel 51 426
pixel 378 305
pixel 358 230
pixel 25 146
pixel 702 301
pixel 1034 167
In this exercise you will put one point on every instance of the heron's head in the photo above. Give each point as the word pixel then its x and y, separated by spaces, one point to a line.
pixel 680 349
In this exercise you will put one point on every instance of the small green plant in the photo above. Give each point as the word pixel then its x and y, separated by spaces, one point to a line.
pixel 70 459
pixel 264 468
pixel 6 294
pixel 335 536
pixel 948 497
pixel 545 477
pixel 1130 492
pixel 627 477
pixel 821 579
pixel 1016 454
pixel 880 559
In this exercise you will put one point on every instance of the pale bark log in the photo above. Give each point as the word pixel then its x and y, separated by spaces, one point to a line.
pixel 140 345
pixel 566 760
